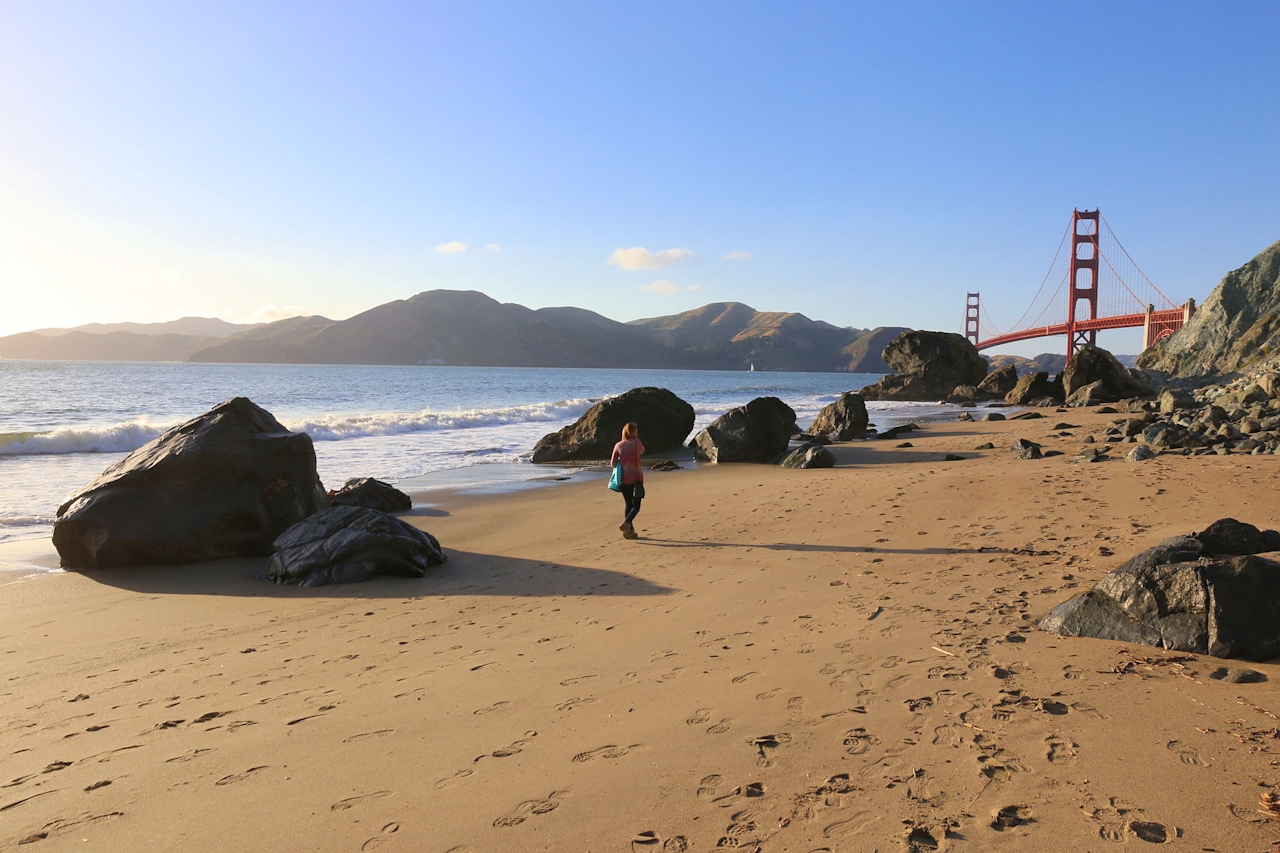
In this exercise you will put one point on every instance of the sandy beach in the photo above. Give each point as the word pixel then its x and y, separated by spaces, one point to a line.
pixel 811 660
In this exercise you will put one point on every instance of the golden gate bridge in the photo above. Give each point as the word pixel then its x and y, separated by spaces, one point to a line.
pixel 1099 287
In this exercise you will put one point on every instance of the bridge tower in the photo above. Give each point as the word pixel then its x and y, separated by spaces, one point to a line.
pixel 971 318
pixel 1084 277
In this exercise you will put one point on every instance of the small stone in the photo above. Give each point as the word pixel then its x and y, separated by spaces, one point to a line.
pixel 1026 416
pixel 1024 449
pixel 1141 453
pixel 952 457
pixel 905 444
pixel 987 446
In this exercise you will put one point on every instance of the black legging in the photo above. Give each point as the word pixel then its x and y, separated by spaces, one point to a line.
pixel 632 502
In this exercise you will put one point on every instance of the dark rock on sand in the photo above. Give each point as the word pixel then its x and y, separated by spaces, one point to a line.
pixel 1025 449
pixel 371 494
pixel 843 420
pixel 1094 376
pixel 224 484
pixel 756 432
pixel 1185 596
pixel 664 419
pixel 665 465
pixel 1141 453
pixel 929 366
pixel 349 544
pixel 894 432
pixel 809 456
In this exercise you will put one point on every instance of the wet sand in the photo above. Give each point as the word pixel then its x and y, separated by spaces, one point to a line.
pixel 839 660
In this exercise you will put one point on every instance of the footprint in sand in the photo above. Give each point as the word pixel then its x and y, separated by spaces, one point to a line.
pixel 795 704
pixel 1149 830
pixel 368 735
pixel 949 673
pixel 1186 753
pixel 1009 817
pixel 441 784
pixel 917 705
pixel 845 681
pixel 859 741
pixel 530 808
pixel 570 704
pixel 1060 751
pixel 891 662
pixel 745 676
pixel 569 682
pixel 187 756
pixel 1070 671
pixel 699 717
pixel 607 751
pixel 240 777
pixel 767 745
pixel 945 735
pixel 768 694
pixel 707 787
pixel 489 709
pixel 385 836
pixel 720 727
pixel 850 825
pixel 352 802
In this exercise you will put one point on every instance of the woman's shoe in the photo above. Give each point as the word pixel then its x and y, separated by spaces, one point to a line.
pixel 629 532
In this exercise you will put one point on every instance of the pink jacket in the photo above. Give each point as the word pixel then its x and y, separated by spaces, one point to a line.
pixel 629 452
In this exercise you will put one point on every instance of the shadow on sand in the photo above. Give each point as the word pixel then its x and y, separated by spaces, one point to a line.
pixel 465 574
pixel 828 549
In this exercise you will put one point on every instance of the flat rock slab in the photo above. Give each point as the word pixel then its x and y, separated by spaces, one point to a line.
pixel 349 544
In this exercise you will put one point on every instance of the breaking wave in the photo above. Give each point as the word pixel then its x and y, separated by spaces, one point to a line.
pixel 124 437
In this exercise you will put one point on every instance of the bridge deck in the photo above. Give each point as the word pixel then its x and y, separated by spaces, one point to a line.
pixel 1123 321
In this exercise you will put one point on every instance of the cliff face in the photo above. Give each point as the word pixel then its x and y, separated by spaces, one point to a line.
pixel 866 353
pixel 1239 323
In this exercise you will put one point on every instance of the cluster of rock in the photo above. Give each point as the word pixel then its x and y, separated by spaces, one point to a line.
pixel 1243 417
pixel 1207 593
pixel 234 482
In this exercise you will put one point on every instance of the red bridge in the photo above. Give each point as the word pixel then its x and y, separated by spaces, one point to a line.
pixel 1098 270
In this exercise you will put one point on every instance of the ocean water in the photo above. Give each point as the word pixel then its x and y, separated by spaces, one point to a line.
pixel 62 423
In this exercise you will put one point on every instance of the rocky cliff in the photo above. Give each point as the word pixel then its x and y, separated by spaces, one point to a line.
pixel 1237 325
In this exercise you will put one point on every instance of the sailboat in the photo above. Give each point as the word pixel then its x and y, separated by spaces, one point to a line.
pixel 752 368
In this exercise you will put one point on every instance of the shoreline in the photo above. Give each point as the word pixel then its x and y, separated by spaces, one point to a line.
pixel 786 660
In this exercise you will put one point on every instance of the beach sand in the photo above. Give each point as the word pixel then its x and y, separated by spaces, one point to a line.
pixel 840 660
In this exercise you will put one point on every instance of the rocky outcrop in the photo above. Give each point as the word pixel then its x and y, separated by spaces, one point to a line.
pixel 1238 323
pixel 757 432
pixel 225 484
pixel 1206 594
pixel 1093 376
pixel 371 494
pixel 809 456
pixel 843 420
pixel 929 366
pixel 1035 388
pixel 999 382
pixel 349 544
pixel 664 419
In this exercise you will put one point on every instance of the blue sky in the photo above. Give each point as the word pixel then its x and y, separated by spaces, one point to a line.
pixel 865 163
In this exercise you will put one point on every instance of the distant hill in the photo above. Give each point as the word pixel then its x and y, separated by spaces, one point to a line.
pixel 208 327
pixel 469 328
pixel 103 346
pixel 865 351
pixel 1048 362
pixel 1238 324
pixel 733 336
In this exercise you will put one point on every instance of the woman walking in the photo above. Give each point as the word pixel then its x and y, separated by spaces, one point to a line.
pixel 628 452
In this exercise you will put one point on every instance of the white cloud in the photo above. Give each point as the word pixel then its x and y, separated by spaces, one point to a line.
pixel 666 288
pixel 640 258
pixel 451 248
pixel 492 248
pixel 740 256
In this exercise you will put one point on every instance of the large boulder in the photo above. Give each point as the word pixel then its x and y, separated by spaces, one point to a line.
pixel 1208 593
pixel 999 382
pixel 349 544
pixel 1033 388
pixel 371 494
pixel 225 484
pixel 756 432
pixel 1105 378
pixel 664 419
pixel 929 365
pixel 843 420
